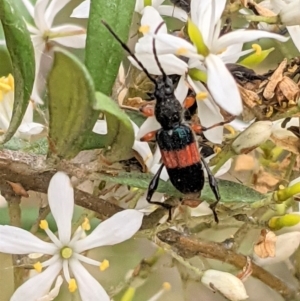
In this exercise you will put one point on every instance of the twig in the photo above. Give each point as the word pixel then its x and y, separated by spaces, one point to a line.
pixel 34 173
pixel 188 247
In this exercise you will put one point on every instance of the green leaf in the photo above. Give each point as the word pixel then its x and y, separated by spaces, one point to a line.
pixel 103 53
pixel 38 147
pixel 71 99
pixel 120 137
pixel 22 57
pixel 230 192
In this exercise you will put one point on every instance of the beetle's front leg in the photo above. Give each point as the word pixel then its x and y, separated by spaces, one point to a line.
pixel 214 187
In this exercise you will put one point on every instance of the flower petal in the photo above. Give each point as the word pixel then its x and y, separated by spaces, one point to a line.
pixel 89 288
pixel 243 36
pixel 29 7
pixel 53 292
pixel 166 43
pixel 294 32
pixel 171 11
pixel 41 284
pixel 222 86
pixel 181 89
pixel 169 62
pixel 39 15
pixel 30 128
pixel 54 7
pixel 116 229
pixel 15 240
pixel 209 113
pixel 152 18
pixel 100 127
pixel 82 10
pixel 72 35
pixel 61 202
pixel 164 174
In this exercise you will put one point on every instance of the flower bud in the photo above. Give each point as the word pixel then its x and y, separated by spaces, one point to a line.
pixel 290 13
pixel 286 245
pixel 290 222
pixel 227 284
pixel 256 134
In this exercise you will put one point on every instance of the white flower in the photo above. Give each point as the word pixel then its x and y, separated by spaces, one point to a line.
pixel 45 33
pixel 27 127
pixel 286 245
pixel 208 57
pixel 289 11
pixel 83 9
pixel 227 284
pixel 64 249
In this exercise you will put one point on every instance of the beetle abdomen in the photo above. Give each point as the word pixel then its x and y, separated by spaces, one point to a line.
pixel 180 155
pixel 188 179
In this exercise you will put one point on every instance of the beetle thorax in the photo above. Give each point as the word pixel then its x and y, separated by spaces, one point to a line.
pixel 168 113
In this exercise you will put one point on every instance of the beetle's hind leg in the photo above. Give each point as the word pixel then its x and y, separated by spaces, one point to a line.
pixel 152 188
pixel 214 187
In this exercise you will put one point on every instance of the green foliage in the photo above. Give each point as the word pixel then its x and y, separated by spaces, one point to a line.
pixel 231 192
pixel 103 53
pixel 22 57
pixel 71 99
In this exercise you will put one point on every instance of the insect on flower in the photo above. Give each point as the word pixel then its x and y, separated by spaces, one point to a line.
pixel 176 140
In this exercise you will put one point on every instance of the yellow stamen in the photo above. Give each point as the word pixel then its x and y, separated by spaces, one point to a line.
pixel 38 267
pixel 230 129
pixel 281 186
pixel 11 81
pixel 129 294
pixel 166 286
pixel 257 49
pixel 201 95
pixel 217 149
pixel 5 87
pixel 144 29
pixel 66 252
pixel 72 285
pixel 44 224
pixel 104 265
pixel 86 226
pixel 181 51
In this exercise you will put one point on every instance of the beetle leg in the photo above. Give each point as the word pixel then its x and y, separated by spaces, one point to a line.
pixel 147 110
pixel 152 188
pixel 199 129
pixel 214 187
pixel 189 101
pixel 149 136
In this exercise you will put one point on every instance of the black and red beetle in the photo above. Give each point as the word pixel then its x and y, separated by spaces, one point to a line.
pixel 176 140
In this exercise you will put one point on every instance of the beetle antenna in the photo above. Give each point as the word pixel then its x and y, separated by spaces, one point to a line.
pixel 130 52
pixel 155 52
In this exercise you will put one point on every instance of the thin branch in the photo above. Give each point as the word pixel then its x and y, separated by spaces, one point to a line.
pixel 188 247
pixel 33 172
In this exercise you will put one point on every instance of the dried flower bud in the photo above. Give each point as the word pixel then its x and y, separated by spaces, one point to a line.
pixel 225 283
pixel 286 245
pixel 265 247
pixel 256 134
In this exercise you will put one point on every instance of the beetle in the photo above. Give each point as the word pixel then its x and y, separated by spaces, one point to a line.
pixel 176 139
